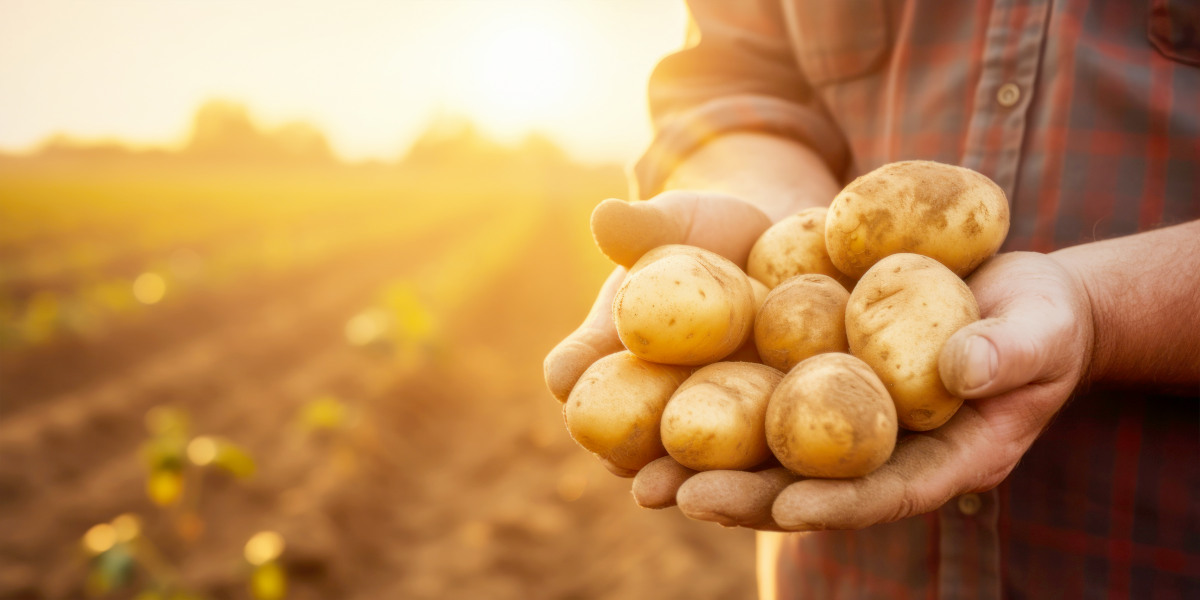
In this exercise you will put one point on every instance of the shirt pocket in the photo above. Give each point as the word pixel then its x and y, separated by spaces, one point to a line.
pixel 1175 30
pixel 837 40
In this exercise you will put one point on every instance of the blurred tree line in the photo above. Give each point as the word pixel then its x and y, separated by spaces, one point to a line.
pixel 225 132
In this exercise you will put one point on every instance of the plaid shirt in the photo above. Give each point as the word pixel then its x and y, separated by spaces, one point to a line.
pixel 1087 114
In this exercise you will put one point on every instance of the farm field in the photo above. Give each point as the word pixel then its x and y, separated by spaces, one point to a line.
pixel 370 335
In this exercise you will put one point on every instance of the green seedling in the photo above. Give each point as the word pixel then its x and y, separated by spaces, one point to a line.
pixel 324 414
pixel 117 551
pixel 176 465
pixel 268 580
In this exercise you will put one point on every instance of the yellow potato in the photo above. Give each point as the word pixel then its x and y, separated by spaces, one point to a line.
pixel 681 305
pixel 760 292
pixel 616 408
pixel 898 318
pixel 802 317
pixel 793 246
pixel 657 253
pixel 748 352
pixel 954 215
pixel 831 417
pixel 715 419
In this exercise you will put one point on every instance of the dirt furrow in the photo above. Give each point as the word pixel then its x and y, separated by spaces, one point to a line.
pixel 56 440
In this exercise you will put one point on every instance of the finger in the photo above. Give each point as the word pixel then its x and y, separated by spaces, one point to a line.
pixel 924 472
pixel 734 498
pixel 625 231
pixel 656 484
pixel 594 339
pixel 1026 338
pixel 616 470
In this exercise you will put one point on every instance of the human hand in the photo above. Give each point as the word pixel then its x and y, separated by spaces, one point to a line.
pixel 1017 367
pixel 624 231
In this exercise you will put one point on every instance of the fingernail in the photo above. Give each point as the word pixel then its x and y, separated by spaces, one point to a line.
pixel 981 361
pixel 718 518
pixel 796 525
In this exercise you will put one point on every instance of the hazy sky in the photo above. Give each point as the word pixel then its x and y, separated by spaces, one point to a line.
pixel 369 73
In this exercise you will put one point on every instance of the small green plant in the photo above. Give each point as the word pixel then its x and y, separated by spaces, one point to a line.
pixel 177 463
pixel 268 581
pixel 325 413
pixel 176 466
pixel 401 323
pixel 118 550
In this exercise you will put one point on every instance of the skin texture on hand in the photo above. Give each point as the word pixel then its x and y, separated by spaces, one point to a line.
pixel 1020 364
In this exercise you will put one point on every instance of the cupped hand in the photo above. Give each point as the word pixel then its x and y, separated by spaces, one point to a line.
pixel 1017 367
pixel 626 230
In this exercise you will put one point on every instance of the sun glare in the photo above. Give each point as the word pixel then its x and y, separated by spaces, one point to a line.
pixel 521 73
pixel 525 67
pixel 370 77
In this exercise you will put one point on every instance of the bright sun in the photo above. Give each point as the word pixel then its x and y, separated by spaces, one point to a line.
pixel 521 74
pixel 372 76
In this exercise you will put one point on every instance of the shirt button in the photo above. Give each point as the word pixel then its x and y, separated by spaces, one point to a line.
pixel 969 504
pixel 1008 95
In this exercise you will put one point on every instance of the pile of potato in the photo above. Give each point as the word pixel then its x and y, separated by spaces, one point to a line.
pixel 817 353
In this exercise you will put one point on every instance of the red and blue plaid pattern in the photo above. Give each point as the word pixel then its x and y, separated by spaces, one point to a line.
pixel 1087 114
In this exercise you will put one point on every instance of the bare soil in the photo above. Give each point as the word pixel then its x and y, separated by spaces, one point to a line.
pixel 456 480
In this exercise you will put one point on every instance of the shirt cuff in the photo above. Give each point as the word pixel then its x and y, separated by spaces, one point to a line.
pixel 682 134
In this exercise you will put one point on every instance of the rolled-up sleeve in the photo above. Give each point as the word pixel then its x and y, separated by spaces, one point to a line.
pixel 737 72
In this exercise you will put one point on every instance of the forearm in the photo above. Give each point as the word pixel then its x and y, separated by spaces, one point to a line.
pixel 778 175
pixel 1144 291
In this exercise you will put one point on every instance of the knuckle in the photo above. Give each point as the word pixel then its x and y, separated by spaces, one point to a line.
pixel 905 506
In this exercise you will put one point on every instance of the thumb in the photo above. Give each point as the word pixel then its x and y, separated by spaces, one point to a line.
pixel 625 231
pixel 1026 340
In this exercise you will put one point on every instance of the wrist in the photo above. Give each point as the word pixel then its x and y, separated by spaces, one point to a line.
pixel 777 175
pixel 1091 311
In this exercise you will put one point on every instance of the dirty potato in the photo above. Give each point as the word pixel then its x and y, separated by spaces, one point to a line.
pixel 954 215
pixel 898 318
pixel 802 317
pixel 682 305
pixel 715 419
pixel 616 408
pixel 831 417
pixel 793 246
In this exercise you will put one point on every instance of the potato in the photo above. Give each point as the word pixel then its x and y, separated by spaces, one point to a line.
pixel 954 215
pixel 793 246
pixel 760 290
pixel 831 417
pixel 615 409
pixel 715 419
pixel 681 305
pixel 898 318
pixel 802 317
pixel 748 352
pixel 658 252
